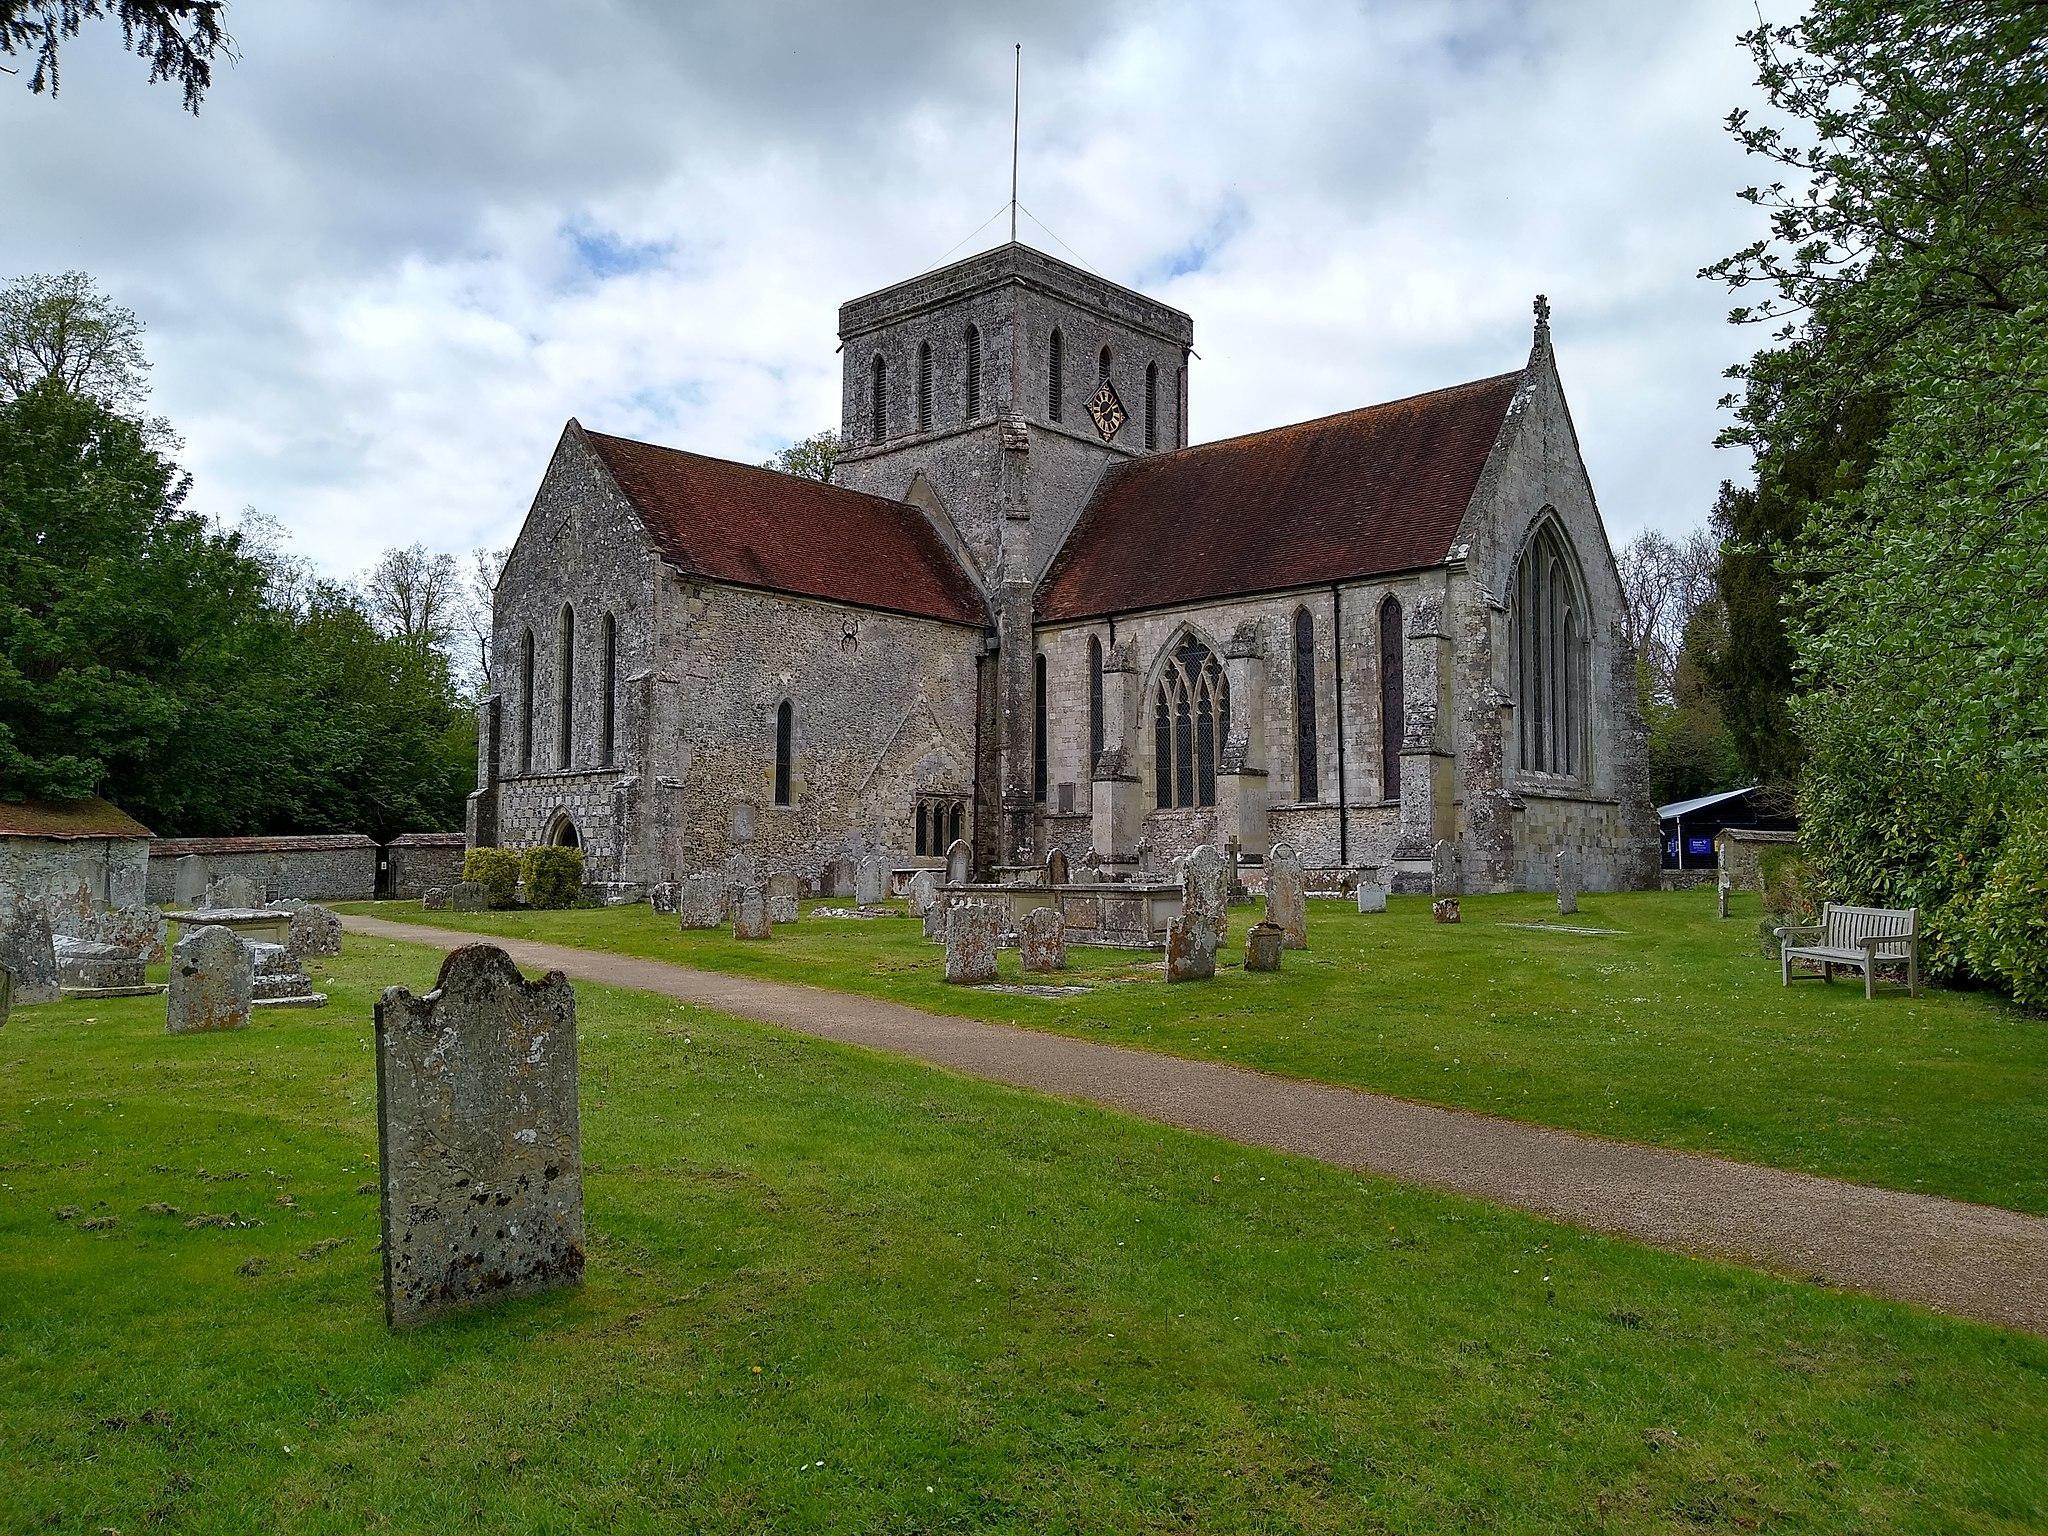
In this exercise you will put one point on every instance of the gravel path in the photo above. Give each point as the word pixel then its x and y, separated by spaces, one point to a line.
pixel 1972 1260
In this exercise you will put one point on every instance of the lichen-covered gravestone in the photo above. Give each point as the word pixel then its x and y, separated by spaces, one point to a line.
pixel 28 949
pixel 469 896
pixel 700 902
pixel 1371 891
pixel 213 981
pixel 972 935
pixel 750 913
pixel 233 893
pixel 1287 895
pixel 1567 881
pixel 1042 940
pixel 782 909
pixel 871 881
pixel 1446 869
pixel 314 931
pixel 1445 909
pixel 434 898
pixel 1190 948
pixel 935 920
pixel 479 1143
pixel 1205 888
pixel 784 883
pixel 189 876
pixel 923 887
pixel 959 862
pixel 662 898
pixel 1262 946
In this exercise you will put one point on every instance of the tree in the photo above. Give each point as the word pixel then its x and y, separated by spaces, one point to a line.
pixel 180 38
pixel 479 612
pixel 1664 582
pixel 813 457
pixel 415 597
pixel 60 327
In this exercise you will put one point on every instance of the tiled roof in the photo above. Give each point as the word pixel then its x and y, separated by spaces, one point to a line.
pixel 217 847
pixel 428 840
pixel 1375 490
pixel 760 528
pixel 67 818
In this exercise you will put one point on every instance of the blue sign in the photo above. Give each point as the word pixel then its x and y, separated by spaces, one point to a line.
pixel 1671 845
pixel 1699 847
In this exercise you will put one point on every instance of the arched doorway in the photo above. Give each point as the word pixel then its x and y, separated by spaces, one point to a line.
pixel 562 833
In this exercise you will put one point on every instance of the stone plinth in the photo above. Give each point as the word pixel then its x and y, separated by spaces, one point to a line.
pixel 1042 940
pixel 257 925
pixel 1190 948
pixel 213 981
pixel 83 966
pixel 1262 945
pixel 973 932
pixel 479 1140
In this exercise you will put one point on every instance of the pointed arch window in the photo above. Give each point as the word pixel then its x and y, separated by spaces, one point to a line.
pixel 878 398
pixel 565 690
pixel 924 823
pixel 956 824
pixel 973 372
pixel 1190 723
pixel 1095 726
pixel 1151 405
pixel 608 732
pixel 924 386
pixel 1551 649
pixel 1307 750
pixel 784 746
pixel 1055 368
pixel 526 702
pixel 1039 774
pixel 1392 692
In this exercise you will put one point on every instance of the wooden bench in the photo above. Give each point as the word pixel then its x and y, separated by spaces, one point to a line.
pixel 1855 938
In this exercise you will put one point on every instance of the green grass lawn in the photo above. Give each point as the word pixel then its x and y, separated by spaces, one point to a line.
pixel 1674 1030
pixel 832 1291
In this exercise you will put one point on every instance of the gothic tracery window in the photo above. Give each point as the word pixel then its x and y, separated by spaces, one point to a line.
pixel 1548 613
pixel 1190 723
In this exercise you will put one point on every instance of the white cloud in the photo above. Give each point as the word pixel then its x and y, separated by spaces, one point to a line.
pixel 402 244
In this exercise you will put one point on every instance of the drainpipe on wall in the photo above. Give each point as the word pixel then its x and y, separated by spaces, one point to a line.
pixel 1343 793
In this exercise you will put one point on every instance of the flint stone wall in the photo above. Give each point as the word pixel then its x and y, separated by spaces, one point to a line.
pixel 418 861
pixel 325 868
pixel 479 1138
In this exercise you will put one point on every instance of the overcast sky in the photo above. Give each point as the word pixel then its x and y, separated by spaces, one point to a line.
pixel 403 242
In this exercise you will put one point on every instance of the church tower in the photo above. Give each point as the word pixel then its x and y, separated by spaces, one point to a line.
pixel 992 394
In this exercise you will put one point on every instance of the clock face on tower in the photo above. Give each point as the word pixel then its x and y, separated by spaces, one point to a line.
pixel 1107 411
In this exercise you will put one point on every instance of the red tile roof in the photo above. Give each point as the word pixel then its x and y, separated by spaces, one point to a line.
pixel 760 528
pixel 1369 491
pixel 67 818
pixel 220 847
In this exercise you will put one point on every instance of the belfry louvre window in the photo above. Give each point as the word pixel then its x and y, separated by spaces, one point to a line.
pixel 924 386
pixel 1151 405
pixel 1190 723
pixel 878 398
pixel 784 750
pixel 973 372
pixel 1102 365
pixel 1550 656
pixel 565 690
pixel 1055 366
pixel 1307 750
pixel 1392 692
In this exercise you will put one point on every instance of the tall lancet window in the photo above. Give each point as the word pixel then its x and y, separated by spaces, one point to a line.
pixel 1307 749
pixel 608 731
pixel 1392 691
pixel 565 690
pixel 1548 612
pixel 973 372
pixel 784 751
pixel 526 702
pixel 1190 723
pixel 924 386
pixel 1055 377
pixel 878 399
pixel 1039 774
pixel 1095 726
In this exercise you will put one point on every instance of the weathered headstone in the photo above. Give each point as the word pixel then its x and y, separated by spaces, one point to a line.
pixel 1446 869
pixel 479 1143
pixel 1287 895
pixel 281 980
pixel 1567 864
pixel 233 893
pixel 469 896
pixel 662 897
pixel 86 966
pixel 959 862
pixel 1088 871
pixel 189 879
pixel 972 936
pixel 836 879
pixel 1445 909
pixel 784 883
pixel 1190 948
pixel 213 981
pixel 750 912
pixel 1042 940
pixel 923 888
pixel 1262 946
pixel 871 881
pixel 935 920
pixel 1205 888
pixel 782 909
pixel 700 902
pixel 1056 867
pixel 28 949
pixel 314 931
pixel 1372 889
pixel 434 898
pixel 1721 893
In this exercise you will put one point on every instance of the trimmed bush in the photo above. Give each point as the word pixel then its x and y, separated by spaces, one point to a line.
pixel 497 871
pixel 2008 935
pixel 554 876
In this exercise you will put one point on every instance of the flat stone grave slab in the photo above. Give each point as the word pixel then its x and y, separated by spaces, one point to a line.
pixel 1605 933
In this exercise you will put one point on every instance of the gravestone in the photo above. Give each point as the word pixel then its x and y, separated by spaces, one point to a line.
pixel 86 966
pixel 662 897
pixel 28 949
pixel 480 1148
pixel 1042 940
pixel 1445 909
pixel 1088 871
pixel 972 935
pixel 1287 895
pixel 1056 867
pixel 836 879
pixel 314 931
pixel 1446 869
pixel 189 880
pixel 935 920
pixel 750 912
pixel 1262 946
pixel 233 893
pixel 923 889
pixel 6 993
pixel 959 862
pixel 1190 948
pixel 280 980
pixel 434 898
pixel 469 896
pixel 1372 890
pixel 1567 881
pixel 782 909
pixel 871 881
pixel 1205 888
pixel 700 902
pixel 785 884
pixel 213 981
pixel 1721 881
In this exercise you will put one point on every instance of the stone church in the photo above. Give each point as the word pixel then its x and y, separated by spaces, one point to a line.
pixel 1027 613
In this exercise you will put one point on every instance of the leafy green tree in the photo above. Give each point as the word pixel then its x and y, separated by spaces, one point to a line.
pixel 180 38
pixel 813 457
pixel 61 328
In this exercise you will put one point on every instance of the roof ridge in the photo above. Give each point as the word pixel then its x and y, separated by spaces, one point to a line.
pixel 759 469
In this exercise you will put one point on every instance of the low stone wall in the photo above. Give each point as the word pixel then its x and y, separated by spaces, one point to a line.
pixel 336 868
pixel 419 861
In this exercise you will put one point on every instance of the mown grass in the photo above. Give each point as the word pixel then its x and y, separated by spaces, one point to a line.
pixel 831 1291
pixel 1674 1029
